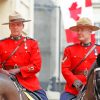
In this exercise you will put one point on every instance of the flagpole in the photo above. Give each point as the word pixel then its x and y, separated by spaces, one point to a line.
pixel 59 69
pixel 58 49
pixel 56 76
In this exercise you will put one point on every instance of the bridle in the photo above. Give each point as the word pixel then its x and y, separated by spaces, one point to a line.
pixel 82 93
pixel 96 83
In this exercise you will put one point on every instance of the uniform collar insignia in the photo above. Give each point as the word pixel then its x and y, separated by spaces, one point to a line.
pixel 16 37
pixel 86 44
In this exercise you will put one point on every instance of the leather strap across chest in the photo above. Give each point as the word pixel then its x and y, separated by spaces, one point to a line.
pixel 12 53
pixel 83 59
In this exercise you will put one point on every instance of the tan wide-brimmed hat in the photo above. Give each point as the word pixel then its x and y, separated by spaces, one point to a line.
pixel 15 17
pixel 84 23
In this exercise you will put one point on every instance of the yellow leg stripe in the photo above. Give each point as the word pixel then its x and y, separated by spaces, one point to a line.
pixel 30 98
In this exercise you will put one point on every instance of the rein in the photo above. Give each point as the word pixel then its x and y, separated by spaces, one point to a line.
pixel 83 89
pixel 17 85
pixel 21 90
pixel 97 83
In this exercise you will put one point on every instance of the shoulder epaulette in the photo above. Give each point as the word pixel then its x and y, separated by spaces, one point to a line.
pixel 30 38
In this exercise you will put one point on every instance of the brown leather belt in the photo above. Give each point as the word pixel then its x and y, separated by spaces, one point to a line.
pixel 84 72
pixel 8 67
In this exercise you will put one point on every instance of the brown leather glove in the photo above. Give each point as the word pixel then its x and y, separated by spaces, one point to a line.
pixel 14 71
pixel 77 84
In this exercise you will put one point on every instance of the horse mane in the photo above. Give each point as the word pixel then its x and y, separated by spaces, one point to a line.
pixel 91 70
pixel 96 64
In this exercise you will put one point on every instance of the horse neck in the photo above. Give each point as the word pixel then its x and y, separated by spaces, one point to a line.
pixel 89 94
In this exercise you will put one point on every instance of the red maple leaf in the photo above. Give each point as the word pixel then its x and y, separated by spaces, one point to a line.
pixel 74 11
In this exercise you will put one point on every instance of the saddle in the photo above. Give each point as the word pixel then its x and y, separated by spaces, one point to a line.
pixel 21 89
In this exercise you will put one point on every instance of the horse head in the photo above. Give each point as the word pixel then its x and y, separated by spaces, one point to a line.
pixel 91 91
pixel 97 78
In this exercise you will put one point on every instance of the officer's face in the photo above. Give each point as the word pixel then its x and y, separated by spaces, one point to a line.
pixel 84 34
pixel 16 28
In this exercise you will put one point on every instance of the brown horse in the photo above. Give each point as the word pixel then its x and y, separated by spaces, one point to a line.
pixel 9 90
pixel 91 91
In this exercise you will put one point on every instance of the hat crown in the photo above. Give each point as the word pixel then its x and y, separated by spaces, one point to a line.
pixel 15 16
pixel 84 21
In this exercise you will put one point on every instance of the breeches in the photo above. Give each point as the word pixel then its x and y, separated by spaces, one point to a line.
pixel 67 96
pixel 39 94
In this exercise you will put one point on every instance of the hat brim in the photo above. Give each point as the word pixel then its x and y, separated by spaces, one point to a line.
pixel 16 21
pixel 77 27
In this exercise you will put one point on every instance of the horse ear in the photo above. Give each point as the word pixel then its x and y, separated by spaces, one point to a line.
pixel 98 60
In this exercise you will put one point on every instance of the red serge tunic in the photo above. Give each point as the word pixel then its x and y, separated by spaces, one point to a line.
pixel 27 57
pixel 72 56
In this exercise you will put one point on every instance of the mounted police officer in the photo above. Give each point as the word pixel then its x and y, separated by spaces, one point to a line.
pixel 78 58
pixel 21 56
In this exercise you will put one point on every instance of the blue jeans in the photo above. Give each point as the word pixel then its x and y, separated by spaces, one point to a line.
pixel 67 96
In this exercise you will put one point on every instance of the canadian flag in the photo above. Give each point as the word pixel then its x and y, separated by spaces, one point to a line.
pixel 71 11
